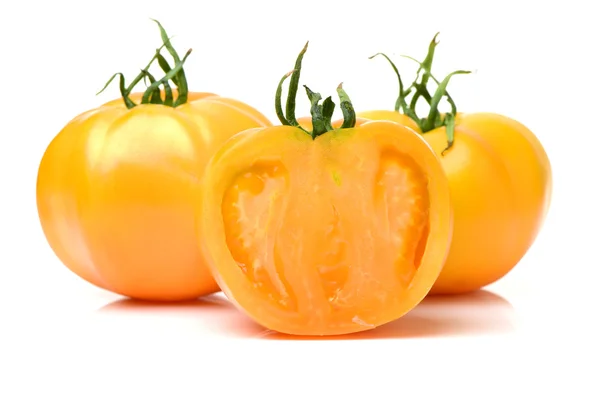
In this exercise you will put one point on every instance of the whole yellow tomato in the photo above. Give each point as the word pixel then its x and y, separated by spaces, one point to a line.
pixel 327 231
pixel 115 187
pixel 500 182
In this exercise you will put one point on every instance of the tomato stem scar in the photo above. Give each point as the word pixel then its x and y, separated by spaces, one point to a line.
pixel 175 74
pixel 321 113
pixel 434 118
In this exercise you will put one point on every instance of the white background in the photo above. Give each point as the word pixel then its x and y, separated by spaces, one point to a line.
pixel 534 333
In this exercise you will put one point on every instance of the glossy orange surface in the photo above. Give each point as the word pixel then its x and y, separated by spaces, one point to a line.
pixel 328 236
pixel 115 193
pixel 501 183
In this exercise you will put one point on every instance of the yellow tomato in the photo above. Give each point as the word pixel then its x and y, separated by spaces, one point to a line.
pixel 500 183
pixel 332 231
pixel 115 192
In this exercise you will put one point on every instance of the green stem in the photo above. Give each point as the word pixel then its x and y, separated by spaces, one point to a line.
pixel 401 101
pixel 321 113
pixel 165 66
pixel 168 94
pixel 449 122
pixel 169 76
pixel 124 93
pixel 290 106
pixel 347 108
pixel 278 92
pixel 434 119
pixel 316 111
pixel 152 94
pixel 179 79
pixel 327 112
pixel 425 66
pixel 435 101
pixel 155 95
pixel 423 91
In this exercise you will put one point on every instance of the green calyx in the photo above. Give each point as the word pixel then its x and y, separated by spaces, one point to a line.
pixel 409 97
pixel 321 113
pixel 152 94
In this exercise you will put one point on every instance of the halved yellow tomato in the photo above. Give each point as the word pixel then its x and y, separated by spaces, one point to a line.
pixel 329 230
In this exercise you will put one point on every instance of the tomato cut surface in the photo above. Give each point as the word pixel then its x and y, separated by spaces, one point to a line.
pixel 334 235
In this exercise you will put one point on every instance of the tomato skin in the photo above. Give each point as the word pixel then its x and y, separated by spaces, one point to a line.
pixel 115 192
pixel 501 183
pixel 321 237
